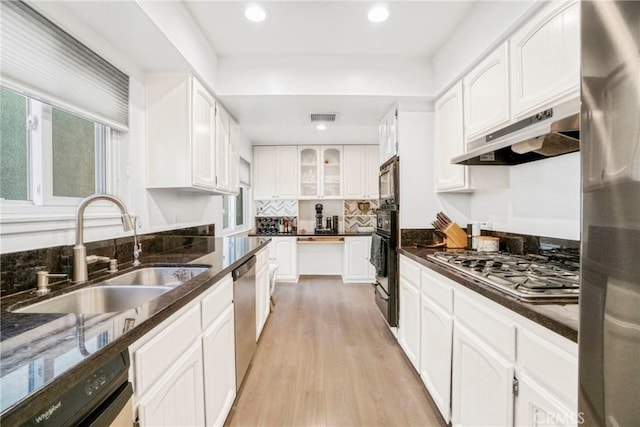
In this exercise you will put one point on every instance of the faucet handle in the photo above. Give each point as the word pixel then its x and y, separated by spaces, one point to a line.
pixel 42 281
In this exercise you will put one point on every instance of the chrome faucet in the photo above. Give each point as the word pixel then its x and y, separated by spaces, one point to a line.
pixel 80 273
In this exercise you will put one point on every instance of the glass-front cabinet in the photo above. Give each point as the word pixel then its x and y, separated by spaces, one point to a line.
pixel 320 172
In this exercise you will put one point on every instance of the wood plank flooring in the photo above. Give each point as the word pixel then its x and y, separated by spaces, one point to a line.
pixel 327 358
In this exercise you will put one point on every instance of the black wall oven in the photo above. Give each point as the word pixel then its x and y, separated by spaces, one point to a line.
pixel 384 257
pixel 389 185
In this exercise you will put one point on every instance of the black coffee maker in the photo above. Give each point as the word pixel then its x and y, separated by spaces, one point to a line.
pixel 319 227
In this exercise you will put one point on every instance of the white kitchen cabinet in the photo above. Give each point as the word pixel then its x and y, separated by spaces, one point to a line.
pixel 536 407
pixel 388 136
pixel 482 387
pixel 356 267
pixel 436 335
pixel 545 59
pixel 262 290
pixel 486 95
pixel 223 149
pixel 181 134
pixel 218 345
pixel 409 311
pixel 275 172
pixel 234 157
pixel 320 172
pixel 449 141
pixel 179 398
pixel 361 172
pixel 284 252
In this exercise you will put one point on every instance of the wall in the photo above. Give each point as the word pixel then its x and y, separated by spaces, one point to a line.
pixel 544 199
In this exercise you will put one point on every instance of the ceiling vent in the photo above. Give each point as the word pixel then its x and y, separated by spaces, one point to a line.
pixel 324 117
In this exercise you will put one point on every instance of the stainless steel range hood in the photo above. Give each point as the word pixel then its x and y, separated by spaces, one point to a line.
pixel 549 133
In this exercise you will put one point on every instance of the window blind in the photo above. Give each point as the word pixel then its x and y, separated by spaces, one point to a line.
pixel 245 172
pixel 41 60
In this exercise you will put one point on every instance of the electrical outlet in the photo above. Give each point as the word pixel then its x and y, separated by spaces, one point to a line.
pixel 491 222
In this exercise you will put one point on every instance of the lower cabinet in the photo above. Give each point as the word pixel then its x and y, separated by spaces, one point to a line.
pixel 218 345
pixel 356 267
pixel 184 369
pixel 263 291
pixel 284 252
pixel 482 363
pixel 178 398
pixel 482 387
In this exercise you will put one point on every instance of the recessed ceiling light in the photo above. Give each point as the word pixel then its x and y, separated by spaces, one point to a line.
pixel 321 126
pixel 378 13
pixel 255 13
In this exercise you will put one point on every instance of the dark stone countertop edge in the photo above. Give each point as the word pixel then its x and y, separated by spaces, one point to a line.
pixel 506 301
pixel 313 235
pixel 35 402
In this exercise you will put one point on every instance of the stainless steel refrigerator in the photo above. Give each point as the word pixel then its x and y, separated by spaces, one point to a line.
pixel 609 338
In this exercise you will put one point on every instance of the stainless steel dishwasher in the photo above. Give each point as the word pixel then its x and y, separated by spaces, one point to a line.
pixel 244 310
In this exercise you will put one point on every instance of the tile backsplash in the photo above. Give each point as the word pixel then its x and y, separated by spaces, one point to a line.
pixel 18 270
pixel 359 213
pixel 276 208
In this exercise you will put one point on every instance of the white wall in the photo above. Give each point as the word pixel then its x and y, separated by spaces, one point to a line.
pixel 544 199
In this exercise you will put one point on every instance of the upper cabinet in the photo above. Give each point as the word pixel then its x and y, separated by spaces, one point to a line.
pixel 320 172
pixel 486 95
pixel 449 140
pixel 361 171
pixel 187 140
pixel 545 59
pixel 275 172
pixel 234 156
pixel 388 136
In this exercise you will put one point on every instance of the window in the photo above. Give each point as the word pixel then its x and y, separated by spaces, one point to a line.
pixel 49 156
pixel 234 211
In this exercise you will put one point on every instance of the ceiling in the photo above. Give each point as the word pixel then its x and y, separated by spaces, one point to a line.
pixel 342 62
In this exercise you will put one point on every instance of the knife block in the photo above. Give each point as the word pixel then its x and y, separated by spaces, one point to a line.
pixel 456 237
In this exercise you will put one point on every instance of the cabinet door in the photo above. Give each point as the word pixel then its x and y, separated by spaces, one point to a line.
pixel 372 170
pixel 234 157
pixel 436 331
pixel 356 265
pixel 536 406
pixel 383 135
pixel 545 59
pixel 223 149
pixel 331 167
pixel 409 321
pixel 179 398
pixel 309 175
pixel 355 171
pixel 286 256
pixel 286 169
pixel 203 138
pixel 262 298
pixel 449 140
pixel 486 95
pixel 264 173
pixel 218 344
pixel 482 387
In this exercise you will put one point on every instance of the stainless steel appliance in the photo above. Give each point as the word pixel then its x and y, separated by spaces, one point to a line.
pixel 384 258
pixel 550 277
pixel 101 399
pixel 389 185
pixel 244 311
pixel 609 336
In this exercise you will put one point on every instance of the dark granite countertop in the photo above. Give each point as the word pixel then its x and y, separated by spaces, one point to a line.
pixel 560 318
pixel 313 235
pixel 42 355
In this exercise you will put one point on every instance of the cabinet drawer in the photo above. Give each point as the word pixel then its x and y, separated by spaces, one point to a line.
pixel 485 320
pixel 410 270
pixel 436 288
pixel 262 257
pixel 549 365
pixel 154 358
pixel 217 301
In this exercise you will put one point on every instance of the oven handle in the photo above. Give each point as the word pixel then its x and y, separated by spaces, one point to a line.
pixel 380 292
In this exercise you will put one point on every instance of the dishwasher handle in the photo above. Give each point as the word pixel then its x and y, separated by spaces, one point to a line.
pixel 244 268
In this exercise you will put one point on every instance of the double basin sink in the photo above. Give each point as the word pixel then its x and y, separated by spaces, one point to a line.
pixel 116 294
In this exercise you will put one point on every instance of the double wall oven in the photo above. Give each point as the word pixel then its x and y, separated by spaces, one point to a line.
pixel 384 245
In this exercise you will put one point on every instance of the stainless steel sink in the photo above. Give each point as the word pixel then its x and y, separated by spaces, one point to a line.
pixel 118 293
pixel 156 276
pixel 97 299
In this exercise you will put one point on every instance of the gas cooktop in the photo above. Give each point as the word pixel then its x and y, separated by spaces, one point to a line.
pixel 550 277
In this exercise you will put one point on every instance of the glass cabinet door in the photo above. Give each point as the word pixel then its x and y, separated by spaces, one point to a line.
pixel 332 172
pixel 309 172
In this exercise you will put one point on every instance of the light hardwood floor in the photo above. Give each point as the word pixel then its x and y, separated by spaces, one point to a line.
pixel 327 358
